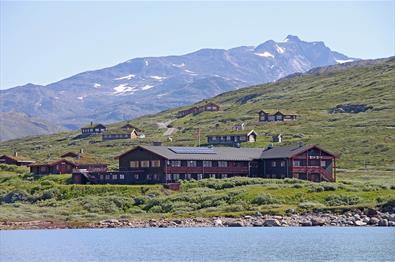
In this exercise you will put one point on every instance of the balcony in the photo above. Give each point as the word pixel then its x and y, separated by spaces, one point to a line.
pixel 206 170
pixel 309 169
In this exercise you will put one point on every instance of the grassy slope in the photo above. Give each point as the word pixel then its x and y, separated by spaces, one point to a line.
pixel 361 139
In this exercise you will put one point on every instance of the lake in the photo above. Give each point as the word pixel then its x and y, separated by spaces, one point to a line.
pixel 200 244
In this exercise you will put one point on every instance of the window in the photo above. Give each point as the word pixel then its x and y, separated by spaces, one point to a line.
pixel 136 176
pixel 296 163
pixel 224 176
pixel 187 176
pixel 273 163
pixel 149 177
pixel 168 177
pixel 114 177
pixel 212 175
pixel 228 138
pixel 176 177
pixel 176 163
pixel 191 163
pixel 121 176
pixel 101 177
pixel 323 163
pixel 43 169
pixel 134 164
pixel 155 163
pixel 243 138
pixel 144 163
pixel 199 176
pixel 282 163
pixel 207 163
pixel 222 164
pixel 107 177
pixel 156 176
pixel 214 138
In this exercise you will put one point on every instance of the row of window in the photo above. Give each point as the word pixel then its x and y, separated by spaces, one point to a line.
pixel 174 163
pixel 228 138
pixel 145 163
pixel 312 163
pixel 112 177
pixel 135 177
pixel 176 177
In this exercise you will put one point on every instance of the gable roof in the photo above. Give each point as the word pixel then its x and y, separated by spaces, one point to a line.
pixel 16 158
pixel 220 153
pixel 94 126
pixel 289 151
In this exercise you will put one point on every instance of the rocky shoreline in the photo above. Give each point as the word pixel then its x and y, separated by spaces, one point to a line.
pixel 357 218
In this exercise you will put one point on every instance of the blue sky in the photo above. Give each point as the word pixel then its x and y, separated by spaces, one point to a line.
pixel 43 42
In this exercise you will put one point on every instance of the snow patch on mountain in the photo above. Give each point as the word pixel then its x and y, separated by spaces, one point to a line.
pixel 343 61
pixel 180 65
pixel 280 50
pixel 123 88
pixel 146 87
pixel 96 85
pixel 265 54
pixel 128 77
pixel 158 77
pixel 80 98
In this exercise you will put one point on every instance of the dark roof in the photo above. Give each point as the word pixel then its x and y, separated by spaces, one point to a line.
pixel 94 126
pixel 288 151
pixel 221 153
pixel 17 158
pixel 229 153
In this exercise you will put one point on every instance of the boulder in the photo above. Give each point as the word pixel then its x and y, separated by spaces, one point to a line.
pixel 374 221
pixel 391 217
pixel 306 223
pixel 317 221
pixel 257 224
pixel 391 223
pixel 272 223
pixel 366 219
pixel 218 222
pixel 235 224
pixel 370 212
pixel 359 223
pixel 383 223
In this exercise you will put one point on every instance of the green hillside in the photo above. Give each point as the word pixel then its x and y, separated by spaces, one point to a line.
pixel 365 139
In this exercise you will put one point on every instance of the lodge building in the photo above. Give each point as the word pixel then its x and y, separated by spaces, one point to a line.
pixel 209 107
pixel 93 129
pixel 277 116
pixel 232 138
pixel 161 164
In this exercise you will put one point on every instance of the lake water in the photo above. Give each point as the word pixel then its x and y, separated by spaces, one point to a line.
pixel 200 244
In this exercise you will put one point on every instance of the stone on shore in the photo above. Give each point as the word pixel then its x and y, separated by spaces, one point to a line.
pixel 272 223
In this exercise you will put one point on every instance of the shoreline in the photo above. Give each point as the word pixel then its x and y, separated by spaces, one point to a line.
pixel 357 218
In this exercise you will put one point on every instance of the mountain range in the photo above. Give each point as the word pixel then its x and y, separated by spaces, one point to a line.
pixel 152 84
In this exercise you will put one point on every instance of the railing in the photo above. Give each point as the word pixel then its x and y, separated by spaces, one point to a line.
pixel 325 173
pixel 205 170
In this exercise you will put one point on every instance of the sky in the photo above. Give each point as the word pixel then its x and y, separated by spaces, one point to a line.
pixel 44 42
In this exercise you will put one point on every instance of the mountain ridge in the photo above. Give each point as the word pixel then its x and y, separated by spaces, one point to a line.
pixel 152 84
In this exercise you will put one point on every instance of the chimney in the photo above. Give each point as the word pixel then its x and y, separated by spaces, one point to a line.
pixel 15 154
pixel 91 123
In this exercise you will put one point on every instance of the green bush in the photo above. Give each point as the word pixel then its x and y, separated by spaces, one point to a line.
pixel 342 200
pixel 264 199
pixel 15 196
pixel 310 205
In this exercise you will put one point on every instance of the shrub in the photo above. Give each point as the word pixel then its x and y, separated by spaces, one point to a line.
pixel 264 199
pixel 386 202
pixel 15 196
pixel 342 200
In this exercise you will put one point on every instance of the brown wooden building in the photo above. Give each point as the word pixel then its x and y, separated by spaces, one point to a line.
pixel 161 164
pixel 70 162
pixel 232 138
pixel 132 135
pixel 209 107
pixel 15 160
pixel 93 129
pixel 277 116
